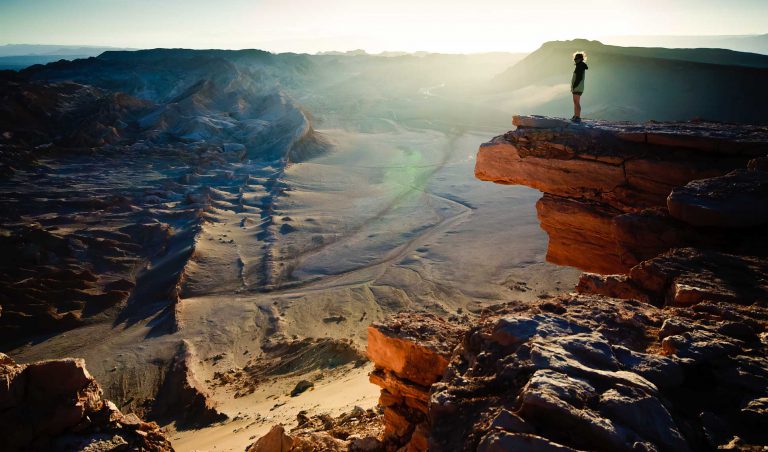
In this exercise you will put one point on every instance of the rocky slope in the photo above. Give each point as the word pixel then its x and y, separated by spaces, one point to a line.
pixel 56 405
pixel 107 176
pixel 585 372
pixel 113 169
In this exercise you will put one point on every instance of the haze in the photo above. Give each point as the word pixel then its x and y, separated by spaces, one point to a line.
pixel 429 25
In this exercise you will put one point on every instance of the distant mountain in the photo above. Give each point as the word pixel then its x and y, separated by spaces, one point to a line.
pixel 349 52
pixel 53 49
pixel 19 56
pixel 635 83
pixel 741 43
pixel 157 97
pixel 368 91
pixel 19 62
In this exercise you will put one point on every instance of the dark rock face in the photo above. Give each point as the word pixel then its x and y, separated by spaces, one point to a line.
pixel 587 372
pixel 607 204
pixel 687 276
pixel 602 374
pixel 57 405
pixel 737 200
pixel 182 398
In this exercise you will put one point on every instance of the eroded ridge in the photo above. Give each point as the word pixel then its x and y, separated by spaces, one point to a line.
pixel 110 185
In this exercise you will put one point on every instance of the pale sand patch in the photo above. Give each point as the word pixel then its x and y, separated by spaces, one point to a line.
pixel 334 397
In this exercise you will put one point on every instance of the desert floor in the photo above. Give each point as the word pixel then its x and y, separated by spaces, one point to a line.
pixel 383 222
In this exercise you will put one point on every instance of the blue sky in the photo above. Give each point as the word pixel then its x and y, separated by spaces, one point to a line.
pixel 315 25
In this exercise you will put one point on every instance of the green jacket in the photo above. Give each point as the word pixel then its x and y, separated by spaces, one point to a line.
pixel 577 80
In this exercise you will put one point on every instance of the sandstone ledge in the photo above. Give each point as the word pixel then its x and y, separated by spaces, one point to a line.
pixel 616 194
pixel 687 276
pixel 410 351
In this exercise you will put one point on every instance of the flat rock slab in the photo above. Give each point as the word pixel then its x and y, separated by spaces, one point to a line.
pixel 703 136
pixel 415 347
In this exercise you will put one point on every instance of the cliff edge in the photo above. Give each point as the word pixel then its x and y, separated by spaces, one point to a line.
pixel 618 193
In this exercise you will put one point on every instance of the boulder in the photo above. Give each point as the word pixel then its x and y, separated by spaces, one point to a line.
pixel 275 440
pixel 415 348
pixel 57 405
pixel 410 352
pixel 687 276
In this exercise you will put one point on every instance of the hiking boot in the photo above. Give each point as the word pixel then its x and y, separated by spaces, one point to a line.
pixel 576 119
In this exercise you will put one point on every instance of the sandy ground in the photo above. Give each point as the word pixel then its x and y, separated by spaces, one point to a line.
pixel 385 222
pixel 258 413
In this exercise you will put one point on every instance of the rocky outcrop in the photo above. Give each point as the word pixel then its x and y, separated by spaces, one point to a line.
pixel 586 372
pixel 616 194
pixel 356 431
pixel 410 353
pixel 686 276
pixel 737 200
pixel 57 405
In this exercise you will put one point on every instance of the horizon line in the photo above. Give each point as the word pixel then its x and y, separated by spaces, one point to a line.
pixel 367 52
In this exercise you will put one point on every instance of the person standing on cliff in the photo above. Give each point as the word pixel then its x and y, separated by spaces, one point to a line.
pixel 577 83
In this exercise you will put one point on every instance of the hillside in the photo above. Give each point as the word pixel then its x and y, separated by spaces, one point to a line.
pixel 741 43
pixel 634 83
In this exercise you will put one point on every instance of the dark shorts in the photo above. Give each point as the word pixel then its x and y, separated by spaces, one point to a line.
pixel 577 93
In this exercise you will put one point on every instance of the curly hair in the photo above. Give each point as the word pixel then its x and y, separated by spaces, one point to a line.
pixel 581 53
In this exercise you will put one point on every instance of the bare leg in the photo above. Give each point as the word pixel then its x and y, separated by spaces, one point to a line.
pixel 577 105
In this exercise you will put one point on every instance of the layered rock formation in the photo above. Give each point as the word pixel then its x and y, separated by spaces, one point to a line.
pixel 410 353
pixel 619 193
pixel 687 276
pixel 57 405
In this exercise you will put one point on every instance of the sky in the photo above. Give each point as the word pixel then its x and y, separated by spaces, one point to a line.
pixel 310 26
